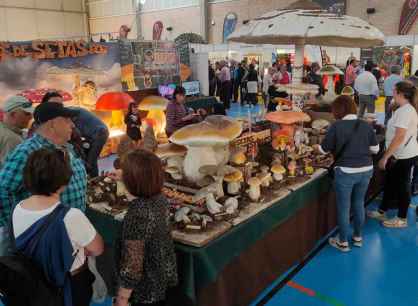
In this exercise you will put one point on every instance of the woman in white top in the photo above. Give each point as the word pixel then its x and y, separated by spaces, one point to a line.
pixel 400 156
pixel 46 174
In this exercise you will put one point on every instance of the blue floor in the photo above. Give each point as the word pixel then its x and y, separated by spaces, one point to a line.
pixel 382 273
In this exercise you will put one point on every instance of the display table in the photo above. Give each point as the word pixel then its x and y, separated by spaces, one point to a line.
pixel 236 267
pixel 204 102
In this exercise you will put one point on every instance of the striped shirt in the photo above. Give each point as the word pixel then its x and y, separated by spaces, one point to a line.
pixel 175 113
pixel 12 190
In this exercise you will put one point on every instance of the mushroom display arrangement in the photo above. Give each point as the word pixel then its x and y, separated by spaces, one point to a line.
pixel 287 122
pixel 207 144
pixel 305 23
pixel 107 191
pixel 330 71
pixel 155 106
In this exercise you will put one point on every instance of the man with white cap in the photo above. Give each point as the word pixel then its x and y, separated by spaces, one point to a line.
pixel 54 131
pixel 18 112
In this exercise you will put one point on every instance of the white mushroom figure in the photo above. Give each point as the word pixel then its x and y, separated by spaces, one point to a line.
pixel 305 23
pixel 207 143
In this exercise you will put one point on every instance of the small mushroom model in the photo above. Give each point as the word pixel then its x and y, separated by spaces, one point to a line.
pixel 207 143
pixel 238 158
pixel 181 215
pixel 292 168
pixel 211 204
pixel 309 169
pixel 205 220
pixel 155 106
pixel 231 205
pixel 265 178
pixel 320 125
pixel 234 180
pixel 287 121
pixel 330 71
pixel 278 171
pixel 254 192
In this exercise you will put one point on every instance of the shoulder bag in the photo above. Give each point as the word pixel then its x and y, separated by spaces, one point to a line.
pixel 339 154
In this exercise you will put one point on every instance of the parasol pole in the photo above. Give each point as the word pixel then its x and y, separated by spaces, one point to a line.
pixel 298 65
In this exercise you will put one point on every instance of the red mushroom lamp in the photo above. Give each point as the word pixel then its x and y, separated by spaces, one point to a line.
pixel 287 121
pixel 115 102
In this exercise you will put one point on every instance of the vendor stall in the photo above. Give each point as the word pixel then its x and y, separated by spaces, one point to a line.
pixel 219 225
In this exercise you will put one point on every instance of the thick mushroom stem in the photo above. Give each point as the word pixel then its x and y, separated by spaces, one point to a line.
pixel 254 192
pixel 234 187
pixel 196 158
pixel 159 117
pixel 289 129
pixel 278 176
pixel 330 95
pixel 298 65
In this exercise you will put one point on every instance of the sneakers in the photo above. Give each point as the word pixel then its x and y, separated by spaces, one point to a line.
pixel 357 242
pixel 336 243
pixel 395 223
pixel 376 214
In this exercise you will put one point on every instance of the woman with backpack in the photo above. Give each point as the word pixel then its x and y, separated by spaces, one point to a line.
pixel 352 143
pixel 56 238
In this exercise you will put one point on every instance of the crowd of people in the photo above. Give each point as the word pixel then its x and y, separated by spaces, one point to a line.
pixel 352 143
pixel 240 82
pixel 43 185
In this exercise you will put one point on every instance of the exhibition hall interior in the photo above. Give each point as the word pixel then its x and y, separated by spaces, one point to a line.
pixel 208 152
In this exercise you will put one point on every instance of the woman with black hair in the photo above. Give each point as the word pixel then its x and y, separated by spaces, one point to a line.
pixel 178 115
pixel 400 156
pixel 133 123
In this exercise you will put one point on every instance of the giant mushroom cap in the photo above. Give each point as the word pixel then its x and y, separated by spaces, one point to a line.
pixel 330 70
pixel 153 103
pixel 287 117
pixel 170 150
pixel 214 130
pixel 305 23
pixel 111 101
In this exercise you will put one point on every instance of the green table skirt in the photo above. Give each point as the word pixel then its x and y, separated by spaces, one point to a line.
pixel 199 267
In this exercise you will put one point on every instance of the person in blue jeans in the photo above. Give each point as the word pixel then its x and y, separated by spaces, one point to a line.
pixel 352 143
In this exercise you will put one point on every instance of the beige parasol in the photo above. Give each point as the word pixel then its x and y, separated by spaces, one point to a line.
pixel 304 23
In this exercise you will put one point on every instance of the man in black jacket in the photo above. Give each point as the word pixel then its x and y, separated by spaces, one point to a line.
pixel 316 79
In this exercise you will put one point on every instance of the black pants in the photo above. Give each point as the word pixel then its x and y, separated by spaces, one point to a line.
pixel 252 98
pixel 96 147
pixel 397 187
pixel 237 90
pixel 212 87
pixel 388 111
pixel 81 288
pixel 225 94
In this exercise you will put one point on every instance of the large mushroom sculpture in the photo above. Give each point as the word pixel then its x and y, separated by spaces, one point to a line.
pixel 207 143
pixel 287 122
pixel 330 71
pixel 306 23
pixel 155 106
pixel 116 102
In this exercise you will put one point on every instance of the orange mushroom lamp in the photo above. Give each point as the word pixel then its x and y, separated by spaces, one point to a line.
pixel 155 106
pixel 287 122
pixel 116 102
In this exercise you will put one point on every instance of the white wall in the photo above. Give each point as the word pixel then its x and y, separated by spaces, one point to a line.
pixel 42 19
